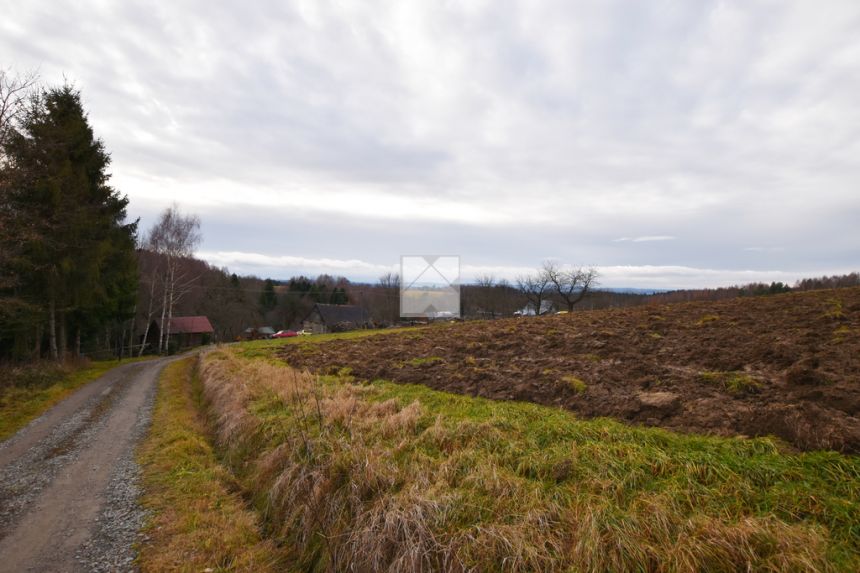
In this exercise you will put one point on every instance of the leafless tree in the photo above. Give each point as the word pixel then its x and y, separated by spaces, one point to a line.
pixel 174 237
pixel 487 295
pixel 570 285
pixel 535 288
pixel 14 92
pixel 389 287
pixel 148 263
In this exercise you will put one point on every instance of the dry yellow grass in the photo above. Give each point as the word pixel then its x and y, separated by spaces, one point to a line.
pixel 197 521
pixel 385 477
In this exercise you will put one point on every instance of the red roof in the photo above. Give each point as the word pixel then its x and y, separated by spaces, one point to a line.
pixel 190 325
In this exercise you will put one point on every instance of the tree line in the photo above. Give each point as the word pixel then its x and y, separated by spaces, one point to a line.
pixel 68 271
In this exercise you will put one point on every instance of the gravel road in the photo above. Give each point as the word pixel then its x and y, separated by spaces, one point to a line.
pixel 68 481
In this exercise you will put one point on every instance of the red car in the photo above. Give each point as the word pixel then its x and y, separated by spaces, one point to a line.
pixel 285 334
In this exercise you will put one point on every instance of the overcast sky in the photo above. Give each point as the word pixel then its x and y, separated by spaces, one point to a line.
pixel 671 144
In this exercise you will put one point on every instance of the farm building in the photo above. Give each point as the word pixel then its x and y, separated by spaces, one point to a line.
pixel 335 318
pixel 185 331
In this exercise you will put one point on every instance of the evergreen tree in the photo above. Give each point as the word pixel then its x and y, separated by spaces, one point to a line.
pixel 338 296
pixel 76 263
pixel 268 298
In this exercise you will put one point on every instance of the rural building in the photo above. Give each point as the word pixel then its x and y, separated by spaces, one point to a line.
pixel 185 331
pixel 335 318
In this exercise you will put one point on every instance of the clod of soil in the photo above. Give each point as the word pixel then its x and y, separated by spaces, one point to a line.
pixel 781 365
pixel 805 373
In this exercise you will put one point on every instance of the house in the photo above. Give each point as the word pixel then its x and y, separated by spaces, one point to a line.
pixel 185 331
pixel 335 318
pixel 546 307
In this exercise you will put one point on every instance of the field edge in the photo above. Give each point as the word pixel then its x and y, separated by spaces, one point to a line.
pixel 196 520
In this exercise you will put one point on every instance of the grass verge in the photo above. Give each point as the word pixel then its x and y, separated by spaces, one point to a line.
pixel 28 391
pixel 197 521
pixel 263 348
pixel 385 476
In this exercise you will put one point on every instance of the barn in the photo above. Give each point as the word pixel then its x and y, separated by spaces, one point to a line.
pixel 185 331
pixel 325 318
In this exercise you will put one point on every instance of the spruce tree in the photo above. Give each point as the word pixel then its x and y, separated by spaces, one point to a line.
pixel 77 263
pixel 268 298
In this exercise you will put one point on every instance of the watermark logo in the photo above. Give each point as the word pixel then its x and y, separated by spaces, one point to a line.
pixel 430 286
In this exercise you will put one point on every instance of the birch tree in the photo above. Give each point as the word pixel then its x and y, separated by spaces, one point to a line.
pixel 174 237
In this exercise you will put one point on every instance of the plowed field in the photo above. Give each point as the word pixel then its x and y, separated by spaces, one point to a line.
pixel 786 365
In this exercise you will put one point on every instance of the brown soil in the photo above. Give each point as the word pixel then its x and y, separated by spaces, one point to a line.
pixel 786 365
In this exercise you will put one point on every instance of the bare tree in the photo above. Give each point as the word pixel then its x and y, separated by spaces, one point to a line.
pixel 389 286
pixel 174 237
pixel 486 291
pixel 14 92
pixel 570 285
pixel 535 288
pixel 148 262
pixel 507 296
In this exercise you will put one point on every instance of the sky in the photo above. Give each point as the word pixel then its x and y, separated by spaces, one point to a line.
pixel 668 144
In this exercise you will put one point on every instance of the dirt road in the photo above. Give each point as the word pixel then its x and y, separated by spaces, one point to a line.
pixel 68 480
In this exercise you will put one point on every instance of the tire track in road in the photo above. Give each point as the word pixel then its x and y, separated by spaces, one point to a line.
pixel 60 475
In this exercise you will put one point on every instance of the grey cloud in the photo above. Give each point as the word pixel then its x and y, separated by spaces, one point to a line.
pixel 728 126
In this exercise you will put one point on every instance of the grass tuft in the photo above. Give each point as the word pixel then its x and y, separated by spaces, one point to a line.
pixel 576 384
pixel 840 333
pixel 835 309
pixel 421 361
pixel 733 382
pixel 707 319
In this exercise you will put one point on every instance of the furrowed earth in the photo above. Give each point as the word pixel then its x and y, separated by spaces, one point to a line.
pixel 785 365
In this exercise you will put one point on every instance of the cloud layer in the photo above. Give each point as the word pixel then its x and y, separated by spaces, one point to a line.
pixel 701 135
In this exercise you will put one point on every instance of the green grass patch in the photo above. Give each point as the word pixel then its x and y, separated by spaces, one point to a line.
pixel 197 521
pixel 27 391
pixel 317 338
pixel 576 384
pixel 734 382
pixel 378 475
pixel 707 319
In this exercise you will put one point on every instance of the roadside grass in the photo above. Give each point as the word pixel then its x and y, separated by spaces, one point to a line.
pixel 197 522
pixel 27 391
pixel 385 476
